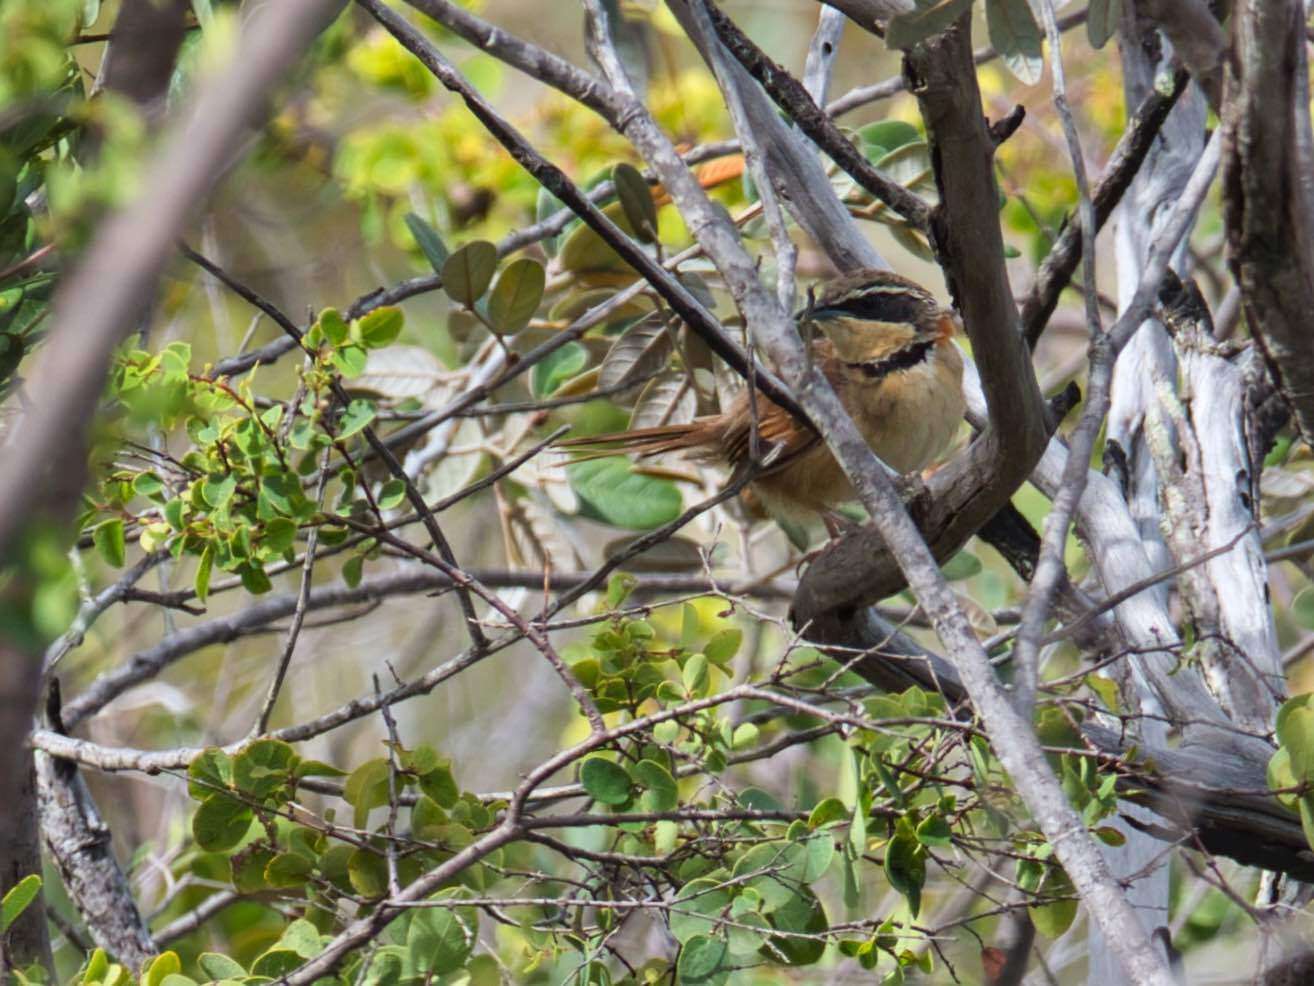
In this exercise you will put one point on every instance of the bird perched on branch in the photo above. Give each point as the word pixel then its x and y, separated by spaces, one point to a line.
pixel 886 347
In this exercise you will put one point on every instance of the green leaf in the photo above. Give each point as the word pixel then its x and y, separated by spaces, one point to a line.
pixel 660 792
pixel 468 272
pixel 744 736
pixel 517 295
pixel 1110 836
pixel 301 937
pixel 636 199
pixel 381 327
pixel 440 785
pixel 350 360
pixel 164 964
pixel 391 494
pixel 356 417
pixel 210 771
pixel 802 914
pixel 288 869
pixel 368 872
pixel 961 566
pixel 610 491
pixel 694 675
pixel 220 823
pixel 605 782
pixel 149 485
pixel 697 908
pixel 218 490
pixel 218 966
pixel 333 326
pixel 905 865
pixel 724 645
pixel 110 542
pixel 366 787
pixel 827 812
pixel 933 830
pixel 884 136
pixel 201 583
pixel 440 939
pixel 352 570
pixel 264 768
pixel 279 535
pixel 556 368
pixel 428 240
pixel 1101 21
pixel 254 579
pixel 906 30
pixel 1016 36
pixel 704 961
pixel 780 866
pixel 16 900
pixel 275 963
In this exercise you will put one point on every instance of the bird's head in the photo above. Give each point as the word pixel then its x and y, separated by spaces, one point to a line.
pixel 876 316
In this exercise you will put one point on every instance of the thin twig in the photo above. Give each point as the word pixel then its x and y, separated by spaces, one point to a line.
pixel 299 614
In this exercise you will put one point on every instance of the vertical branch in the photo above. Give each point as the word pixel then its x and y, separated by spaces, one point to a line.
pixel 1266 192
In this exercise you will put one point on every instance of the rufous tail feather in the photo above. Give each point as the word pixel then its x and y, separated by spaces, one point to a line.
pixel 641 441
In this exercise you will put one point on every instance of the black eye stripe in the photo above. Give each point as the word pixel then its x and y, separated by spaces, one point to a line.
pixel 876 306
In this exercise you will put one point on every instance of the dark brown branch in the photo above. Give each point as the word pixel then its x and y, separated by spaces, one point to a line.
pixel 1267 200
pixel 971 488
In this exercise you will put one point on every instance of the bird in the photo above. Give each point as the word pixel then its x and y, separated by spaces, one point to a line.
pixel 886 346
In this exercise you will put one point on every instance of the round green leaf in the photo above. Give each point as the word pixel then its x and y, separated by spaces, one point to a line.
pixel 605 782
pixel 556 368
pixel 381 327
pixel 801 914
pixel 610 491
pixel 468 272
pixel 660 792
pixel 368 873
pixel 220 823
pixel 288 869
pixel 264 767
pixel 275 962
pixel 516 296
pixel 440 939
pixel 698 908
pixel 704 962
